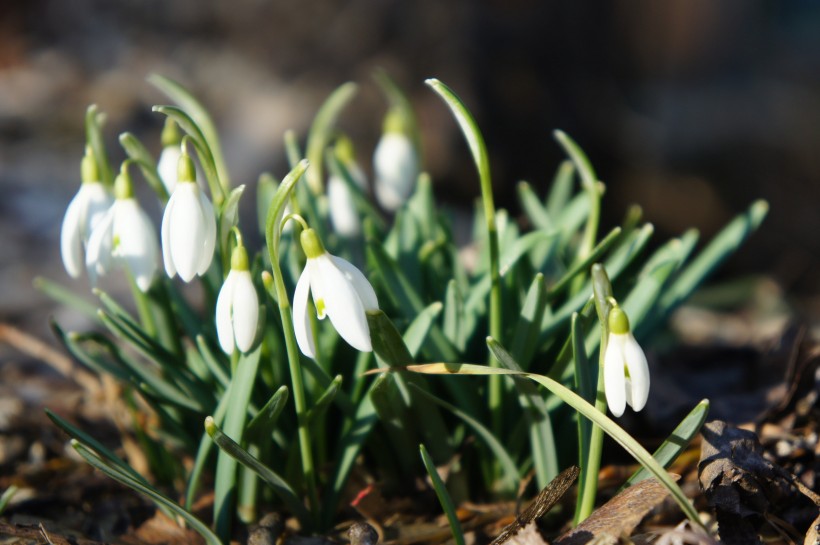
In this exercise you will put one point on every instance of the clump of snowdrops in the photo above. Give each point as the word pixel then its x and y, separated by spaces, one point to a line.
pixel 253 392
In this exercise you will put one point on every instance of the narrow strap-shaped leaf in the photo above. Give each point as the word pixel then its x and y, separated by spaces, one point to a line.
pixel 443 496
pixel 94 120
pixel 66 297
pixel 582 266
pixel 419 328
pixel 148 165
pixel 203 149
pixel 454 315
pixel 406 298
pixel 204 450
pixel 724 244
pixel 561 189
pixel 200 115
pixel 321 132
pixel 533 208
pixel 277 483
pixel 74 343
pixel 211 360
pixel 321 405
pixel 225 479
pixel 525 339
pixel 6 496
pixel 163 502
pixel 510 478
pixel 265 420
pixel 677 441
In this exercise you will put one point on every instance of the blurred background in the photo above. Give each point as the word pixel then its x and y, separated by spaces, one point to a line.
pixel 690 108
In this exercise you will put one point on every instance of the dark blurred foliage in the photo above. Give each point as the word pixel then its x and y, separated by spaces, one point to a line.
pixel 691 108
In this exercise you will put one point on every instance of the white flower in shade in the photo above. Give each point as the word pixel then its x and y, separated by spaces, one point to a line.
pixel 84 211
pixel 237 307
pixel 626 372
pixel 124 236
pixel 343 213
pixel 395 163
pixel 168 164
pixel 188 226
pixel 340 291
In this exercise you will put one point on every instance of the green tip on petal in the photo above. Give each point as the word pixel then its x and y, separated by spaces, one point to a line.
pixel 170 133
pixel 88 168
pixel 123 187
pixel 239 259
pixel 311 244
pixel 344 150
pixel 396 122
pixel 618 321
pixel 185 168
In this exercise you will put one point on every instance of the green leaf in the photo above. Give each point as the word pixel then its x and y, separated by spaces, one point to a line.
pixel 148 165
pixel 321 132
pixel 162 501
pixel 204 152
pixel 225 480
pixel 510 478
pixel 94 120
pixel 579 159
pixel 276 210
pixel 443 497
pixel 324 401
pixel 584 265
pixel 6 497
pixel 561 189
pixel 677 441
pixel 265 190
pixel 280 487
pixel 66 297
pixel 528 328
pixel 419 328
pixel 265 420
pixel 533 208
pixel 723 245
pixel 198 114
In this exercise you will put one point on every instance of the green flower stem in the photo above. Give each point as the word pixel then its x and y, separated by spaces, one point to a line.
pixel 272 234
pixel 588 483
pixel 478 149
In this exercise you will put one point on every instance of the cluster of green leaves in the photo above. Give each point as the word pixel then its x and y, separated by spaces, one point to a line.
pixel 528 287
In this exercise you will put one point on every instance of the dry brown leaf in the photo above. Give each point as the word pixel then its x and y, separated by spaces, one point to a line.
pixel 619 516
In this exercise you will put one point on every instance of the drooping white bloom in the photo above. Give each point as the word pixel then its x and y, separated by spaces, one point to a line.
pixel 125 236
pixel 339 290
pixel 626 372
pixel 84 211
pixel 395 163
pixel 343 214
pixel 237 307
pixel 188 227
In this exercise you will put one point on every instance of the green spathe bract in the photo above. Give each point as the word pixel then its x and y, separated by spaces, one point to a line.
pixel 287 431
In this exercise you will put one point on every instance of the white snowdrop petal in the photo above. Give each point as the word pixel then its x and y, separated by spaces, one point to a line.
pixel 343 305
pixel 137 242
pixel 186 231
pixel 209 243
pixel 224 324
pixel 301 320
pixel 362 286
pixel 245 311
pixel 165 234
pixel 71 244
pixel 318 286
pixel 98 251
pixel 614 378
pixel 638 373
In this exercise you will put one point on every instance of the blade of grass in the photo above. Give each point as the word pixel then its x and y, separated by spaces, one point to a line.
pixel 443 497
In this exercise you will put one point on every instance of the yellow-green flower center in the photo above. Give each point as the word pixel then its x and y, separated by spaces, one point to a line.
pixel 618 321
pixel 311 244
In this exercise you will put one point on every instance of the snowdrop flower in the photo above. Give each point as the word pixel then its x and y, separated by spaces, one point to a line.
pixel 626 373
pixel 84 212
pixel 343 213
pixel 124 236
pixel 340 291
pixel 237 307
pixel 395 162
pixel 168 164
pixel 188 226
